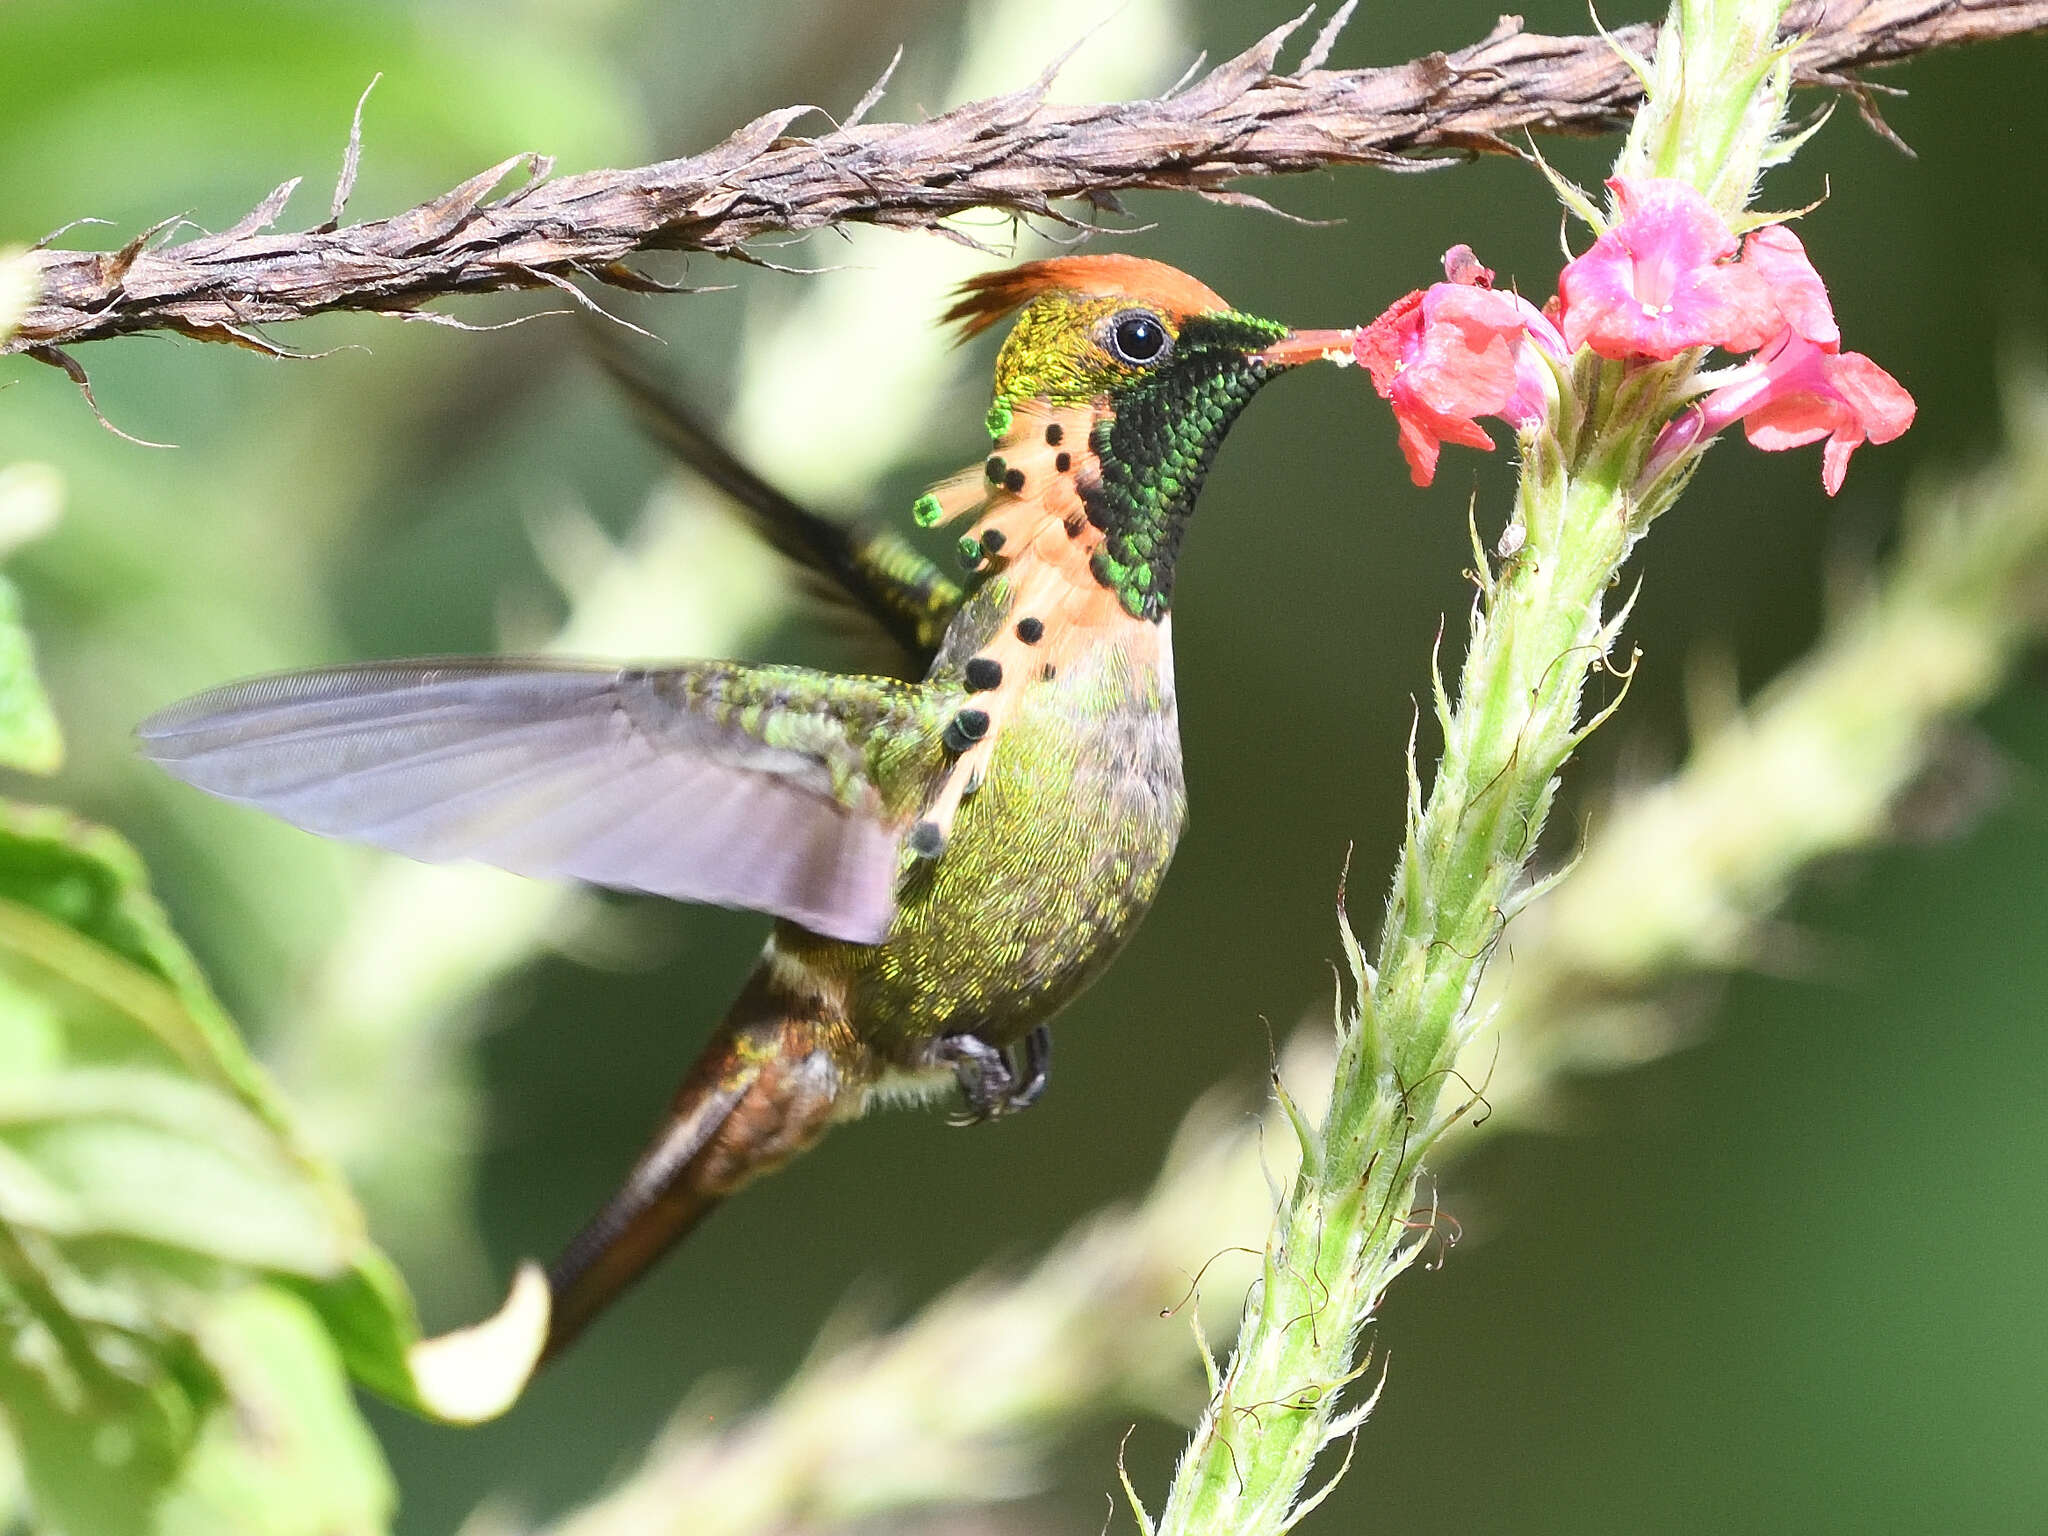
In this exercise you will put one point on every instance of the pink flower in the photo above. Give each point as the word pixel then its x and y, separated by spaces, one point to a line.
pixel 1800 297
pixel 1793 393
pixel 1659 282
pixel 1457 352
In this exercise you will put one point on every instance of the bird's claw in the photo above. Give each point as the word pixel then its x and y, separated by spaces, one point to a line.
pixel 991 1084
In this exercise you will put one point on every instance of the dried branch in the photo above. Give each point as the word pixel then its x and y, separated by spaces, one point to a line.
pixel 1014 153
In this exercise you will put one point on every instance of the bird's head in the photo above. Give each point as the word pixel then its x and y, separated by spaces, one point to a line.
pixel 1114 389
pixel 1119 326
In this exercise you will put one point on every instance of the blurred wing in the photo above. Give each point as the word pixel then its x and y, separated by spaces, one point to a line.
pixel 744 786
pixel 865 572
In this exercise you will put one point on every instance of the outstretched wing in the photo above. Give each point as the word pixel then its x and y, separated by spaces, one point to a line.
pixel 715 782
pixel 855 566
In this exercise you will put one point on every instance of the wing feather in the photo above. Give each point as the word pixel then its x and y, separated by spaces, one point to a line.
pixel 746 787
pixel 861 570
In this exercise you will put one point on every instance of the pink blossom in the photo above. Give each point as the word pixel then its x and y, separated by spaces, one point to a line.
pixel 1659 281
pixel 1457 352
pixel 1800 297
pixel 1793 393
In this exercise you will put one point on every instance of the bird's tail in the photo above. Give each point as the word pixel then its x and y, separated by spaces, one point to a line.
pixel 763 1090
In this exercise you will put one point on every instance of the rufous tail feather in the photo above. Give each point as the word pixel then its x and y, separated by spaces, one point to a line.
pixel 762 1091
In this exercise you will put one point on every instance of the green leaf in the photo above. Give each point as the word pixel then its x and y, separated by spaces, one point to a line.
pixel 30 495
pixel 137 1153
pixel 284 1453
pixel 97 1420
pixel 28 726
pixel 184 1287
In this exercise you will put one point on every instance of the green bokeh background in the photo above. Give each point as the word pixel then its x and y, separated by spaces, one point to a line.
pixel 1787 1280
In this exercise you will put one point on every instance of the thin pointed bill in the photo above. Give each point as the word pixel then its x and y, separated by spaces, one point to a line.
pixel 1299 347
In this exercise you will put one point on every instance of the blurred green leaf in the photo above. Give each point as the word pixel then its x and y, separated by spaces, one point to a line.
pixel 148 1195
pixel 294 1456
pixel 183 1287
pixel 29 738
pixel 29 495
pixel 125 1153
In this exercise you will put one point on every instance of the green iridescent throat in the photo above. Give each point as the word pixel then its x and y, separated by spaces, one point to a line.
pixel 1155 451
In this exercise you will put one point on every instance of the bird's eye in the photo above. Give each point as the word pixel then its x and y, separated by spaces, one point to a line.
pixel 1138 338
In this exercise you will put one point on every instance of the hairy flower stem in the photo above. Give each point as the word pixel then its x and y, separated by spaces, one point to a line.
pixel 1346 1231
pixel 1537 632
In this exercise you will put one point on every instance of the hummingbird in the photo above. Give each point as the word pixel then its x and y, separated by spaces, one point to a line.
pixel 950 855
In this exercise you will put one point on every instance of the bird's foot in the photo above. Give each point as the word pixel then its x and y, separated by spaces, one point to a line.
pixel 991 1083
pixel 1036 1074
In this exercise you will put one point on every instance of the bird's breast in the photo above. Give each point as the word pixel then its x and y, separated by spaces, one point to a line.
pixel 1050 861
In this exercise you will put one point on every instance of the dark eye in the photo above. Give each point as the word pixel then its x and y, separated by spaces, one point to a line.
pixel 1138 338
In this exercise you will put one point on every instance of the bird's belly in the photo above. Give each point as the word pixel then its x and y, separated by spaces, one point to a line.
pixel 1051 864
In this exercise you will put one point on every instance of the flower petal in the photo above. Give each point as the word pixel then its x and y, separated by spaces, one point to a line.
pixel 1461 266
pixel 1806 394
pixel 1423 433
pixel 1455 352
pixel 1656 284
pixel 1380 346
pixel 1880 401
pixel 1465 363
pixel 1775 255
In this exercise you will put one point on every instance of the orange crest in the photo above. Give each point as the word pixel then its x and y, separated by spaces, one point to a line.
pixel 984 300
